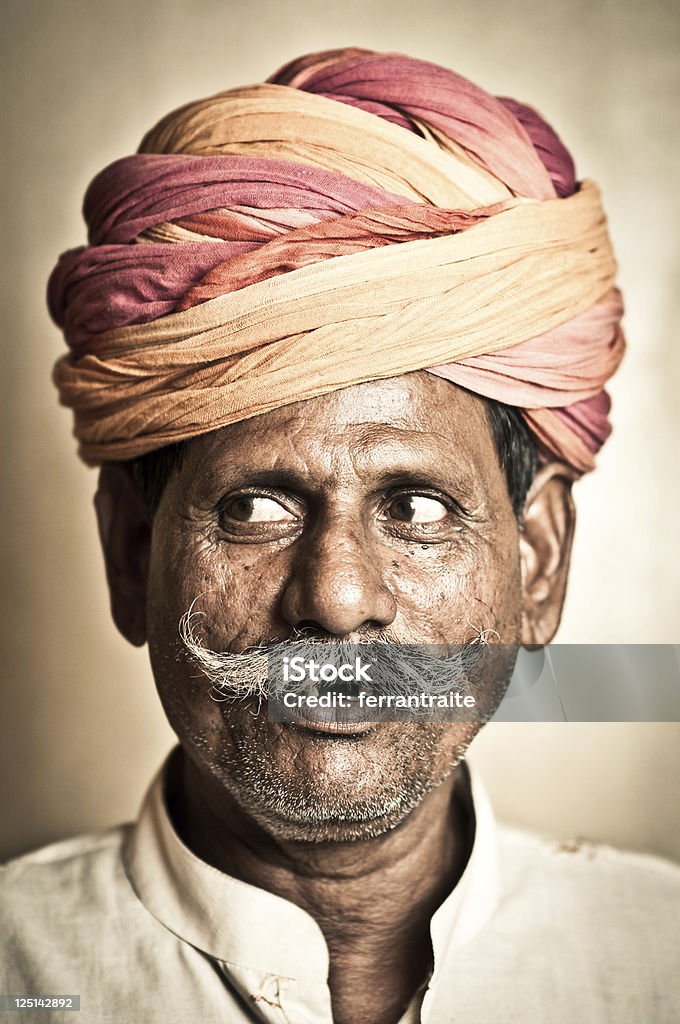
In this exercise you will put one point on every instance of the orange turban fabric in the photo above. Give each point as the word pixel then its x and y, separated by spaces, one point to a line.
pixel 360 216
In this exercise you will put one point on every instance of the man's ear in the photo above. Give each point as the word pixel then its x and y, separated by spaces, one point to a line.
pixel 545 547
pixel 125 534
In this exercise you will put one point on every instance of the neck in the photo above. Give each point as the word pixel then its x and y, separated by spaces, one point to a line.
pixel 373 899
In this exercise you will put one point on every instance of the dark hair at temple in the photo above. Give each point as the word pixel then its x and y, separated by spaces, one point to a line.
pixel 516 449
pixel 516 454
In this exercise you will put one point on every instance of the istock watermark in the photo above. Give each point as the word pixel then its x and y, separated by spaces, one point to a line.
pixel 385 682
pixel 298 669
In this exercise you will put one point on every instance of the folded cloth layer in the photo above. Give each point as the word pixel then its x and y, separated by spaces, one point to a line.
pixel 362 216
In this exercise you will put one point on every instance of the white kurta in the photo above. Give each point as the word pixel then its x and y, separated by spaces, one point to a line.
pixel 145 932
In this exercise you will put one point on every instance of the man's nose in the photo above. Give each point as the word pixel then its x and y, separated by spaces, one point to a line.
pixel 336 583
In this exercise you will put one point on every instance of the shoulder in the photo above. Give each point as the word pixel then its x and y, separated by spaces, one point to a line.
pixel 594 867
pixel 581 931
pixel 59 903
pixel 598 904
pixel 74 879
pixel 85 857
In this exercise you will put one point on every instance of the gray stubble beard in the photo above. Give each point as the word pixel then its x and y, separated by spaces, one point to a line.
pixel 308 810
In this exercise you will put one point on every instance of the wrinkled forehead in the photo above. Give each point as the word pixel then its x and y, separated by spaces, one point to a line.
pixel 411 424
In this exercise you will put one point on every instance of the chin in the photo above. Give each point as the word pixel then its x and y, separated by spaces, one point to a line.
pixel 303 786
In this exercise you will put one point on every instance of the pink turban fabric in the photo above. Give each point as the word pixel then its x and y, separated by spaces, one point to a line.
pixel 359 216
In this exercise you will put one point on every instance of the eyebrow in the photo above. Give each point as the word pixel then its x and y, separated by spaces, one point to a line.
pixel 458 485
pixel 245 476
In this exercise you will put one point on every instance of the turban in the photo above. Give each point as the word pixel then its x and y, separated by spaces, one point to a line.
pixel 358 216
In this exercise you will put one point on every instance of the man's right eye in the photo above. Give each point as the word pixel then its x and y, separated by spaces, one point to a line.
pixel 251 508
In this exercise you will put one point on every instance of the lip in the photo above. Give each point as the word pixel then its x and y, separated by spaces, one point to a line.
pixel 333 728
pixel 331 721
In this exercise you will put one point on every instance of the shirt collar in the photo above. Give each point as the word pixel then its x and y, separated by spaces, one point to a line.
pixel 248 927
pixel 471 904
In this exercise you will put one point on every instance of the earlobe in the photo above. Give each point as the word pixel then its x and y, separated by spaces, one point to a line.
pixel 125 534
pixel 545 548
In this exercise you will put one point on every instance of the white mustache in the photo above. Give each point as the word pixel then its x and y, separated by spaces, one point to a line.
pixel 401 667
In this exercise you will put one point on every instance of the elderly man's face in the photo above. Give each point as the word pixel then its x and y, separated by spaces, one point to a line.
pixel 382 506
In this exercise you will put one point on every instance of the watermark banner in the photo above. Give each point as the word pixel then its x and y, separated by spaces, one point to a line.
pixel 310 682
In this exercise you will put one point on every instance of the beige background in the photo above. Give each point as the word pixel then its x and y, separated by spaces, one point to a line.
pixel 80 730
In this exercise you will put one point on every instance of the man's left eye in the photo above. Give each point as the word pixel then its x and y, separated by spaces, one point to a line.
pixel 246 508
pixel 417 508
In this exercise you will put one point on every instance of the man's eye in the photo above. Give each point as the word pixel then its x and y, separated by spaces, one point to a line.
pixel 416 508
pixel 252 509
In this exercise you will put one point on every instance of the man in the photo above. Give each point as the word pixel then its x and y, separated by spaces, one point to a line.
pixel 339 346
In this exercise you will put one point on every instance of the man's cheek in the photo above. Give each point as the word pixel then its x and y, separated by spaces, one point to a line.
pixel 452 590
pixel 234 597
